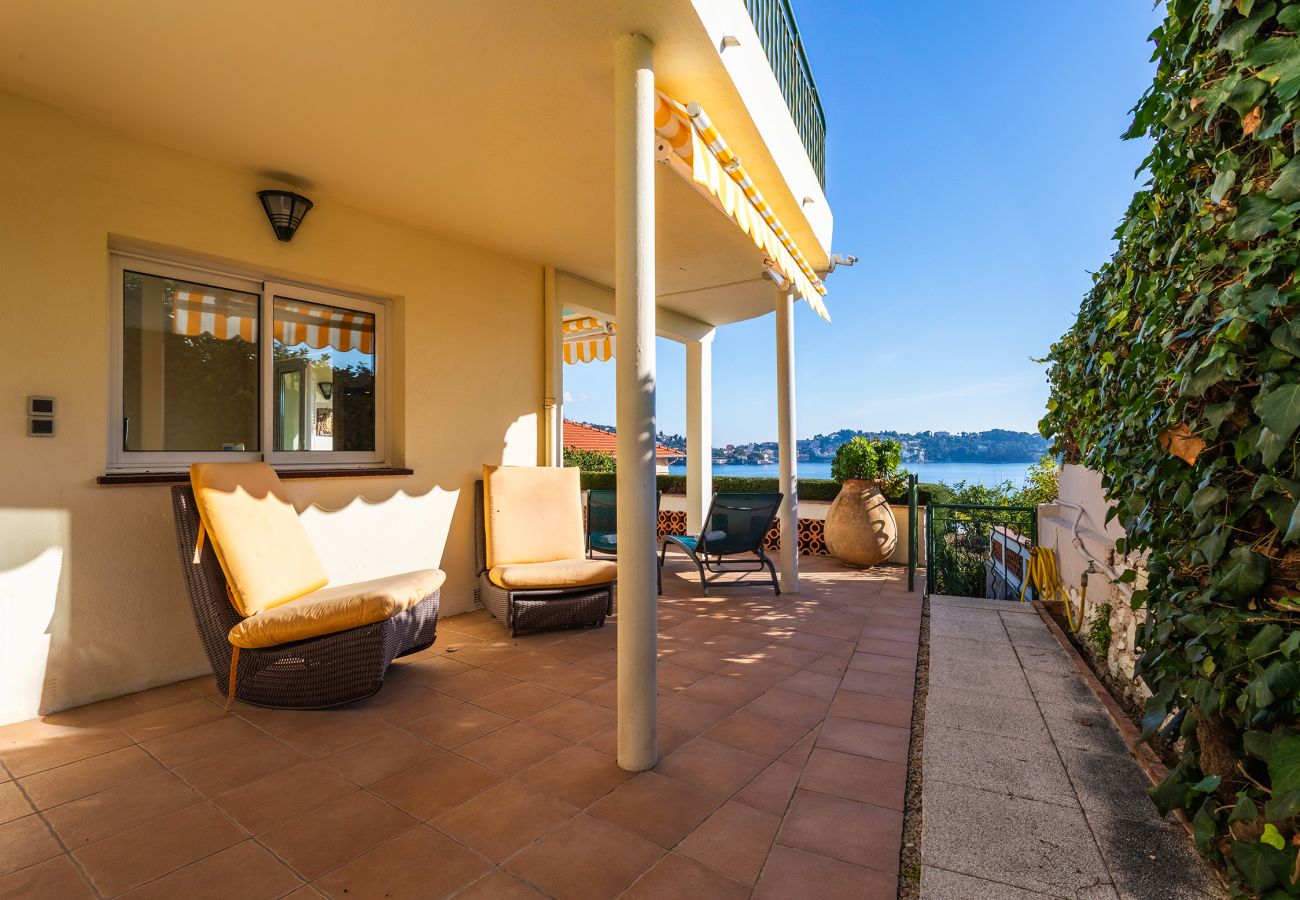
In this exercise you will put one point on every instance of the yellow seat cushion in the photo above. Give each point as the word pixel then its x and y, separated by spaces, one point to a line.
pixel 254 529
pixel 560 573
pixel 336 608
pixel 532 514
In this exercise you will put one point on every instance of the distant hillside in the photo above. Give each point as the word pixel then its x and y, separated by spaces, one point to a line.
pixel 994 446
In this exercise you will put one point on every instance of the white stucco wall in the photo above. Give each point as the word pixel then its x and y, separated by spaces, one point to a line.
pixel 90 583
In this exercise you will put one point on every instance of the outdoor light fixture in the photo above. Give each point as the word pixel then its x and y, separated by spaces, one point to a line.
pixel 326 389
pixel 285 209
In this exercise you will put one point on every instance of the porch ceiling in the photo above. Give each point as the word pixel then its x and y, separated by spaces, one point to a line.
pixel 486 121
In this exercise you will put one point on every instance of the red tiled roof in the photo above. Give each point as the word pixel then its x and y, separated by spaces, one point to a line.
pixel 584 437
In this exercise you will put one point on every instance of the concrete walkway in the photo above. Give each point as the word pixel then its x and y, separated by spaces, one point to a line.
pixel 1028 787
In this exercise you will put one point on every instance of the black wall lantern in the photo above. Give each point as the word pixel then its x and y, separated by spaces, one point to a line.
pixel 285 209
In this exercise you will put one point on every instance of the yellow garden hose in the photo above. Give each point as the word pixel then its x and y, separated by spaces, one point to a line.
pixel 1045 578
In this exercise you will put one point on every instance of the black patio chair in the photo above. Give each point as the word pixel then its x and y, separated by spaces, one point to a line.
pixel 602 521
pixel 735 526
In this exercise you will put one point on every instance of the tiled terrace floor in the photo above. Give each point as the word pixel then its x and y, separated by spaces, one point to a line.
pixel 486 767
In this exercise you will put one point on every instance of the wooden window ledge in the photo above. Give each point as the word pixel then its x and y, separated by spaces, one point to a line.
pixel 287 474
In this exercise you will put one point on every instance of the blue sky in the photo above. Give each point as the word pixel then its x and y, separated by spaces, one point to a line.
pixel 975 167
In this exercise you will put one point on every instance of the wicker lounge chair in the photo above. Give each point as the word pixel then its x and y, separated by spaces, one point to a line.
pixel 529 551
pixel 602 521
pixel 315 670
pixel 735 526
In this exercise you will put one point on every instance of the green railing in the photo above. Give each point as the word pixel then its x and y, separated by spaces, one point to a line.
pixel 774 22
pixel 959 547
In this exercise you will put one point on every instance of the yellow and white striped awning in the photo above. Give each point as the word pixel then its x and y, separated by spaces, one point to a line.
pixel 689 134
pixel 226 315
pixel 587 339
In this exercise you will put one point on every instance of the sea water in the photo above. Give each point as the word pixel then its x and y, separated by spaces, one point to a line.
pixel 946 472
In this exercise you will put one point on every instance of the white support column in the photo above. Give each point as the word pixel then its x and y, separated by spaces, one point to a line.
pixel 552 453
pixel 699 431
pixel 786 440
pixel 634 308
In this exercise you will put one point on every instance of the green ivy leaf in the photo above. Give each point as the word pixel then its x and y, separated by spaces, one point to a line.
pixel 1254 218
pixel 1279 410
pixel 1282 806
pixel 1265 641
pixel 1207 498
pixel 1272 837
pixel 1287 186
pixel 1284 765
pixel 1245 575
pixel 1244 811
pixel 1253 863
pixel 1206 785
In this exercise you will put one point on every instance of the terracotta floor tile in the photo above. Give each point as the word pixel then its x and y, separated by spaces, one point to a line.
pixel 798 754
pixel 718 768
pixel 132 858
pixel 576 775
pixel 474 683
pixel 404 700
pixel 811 684
pixel 790 656
pixel 734 841
pixel 691 715
pixel 900 686
pixel 659 808
pixel 457 725
pixel 771 789
pixel 831 664
pixel 168 719
pixel 100 815
pixel 878 647
pixel 519 701
pixel 885 665
pixel 485 652
pixel 901 633
pixel 260 757
pixel 281 796
pixel 429 671
pixel 585 857
pixel 853 832
pixel 873 708
pixel 418 864
pixel 246 870
pixel 573 679
pixel 761 735
pixel 383 755
pixel 793 873
pixel 513 748
pixel 807 639
pixel 504 819
pixel 217 736
pixel 860 778
pixel 333 834
pixel 571 651
pixel 605 695
pixel 726 690
pixel 26 841
pixel 41 747
pixel 798 709
pixel 318 733
pixel 13 805
pixel 677 878
pixel 91 714
pixel 57 878
pixel 674 677
pixel 865 738
pixel 433 787
pixel 157 698
pixel 528 665
pixel 498 885
pixel 573 719
pixel 761 671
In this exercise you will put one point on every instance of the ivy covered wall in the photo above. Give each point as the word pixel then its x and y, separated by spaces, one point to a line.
pixel 1180 384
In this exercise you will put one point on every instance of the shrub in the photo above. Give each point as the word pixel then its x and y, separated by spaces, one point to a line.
pixel 817 489
pixel 589 460
pixel 1180 384
pixel 871 459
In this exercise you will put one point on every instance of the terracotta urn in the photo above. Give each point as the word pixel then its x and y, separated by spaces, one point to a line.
pixel 860 528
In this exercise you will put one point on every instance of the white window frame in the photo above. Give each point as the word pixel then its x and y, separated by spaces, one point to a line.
pixel 124 461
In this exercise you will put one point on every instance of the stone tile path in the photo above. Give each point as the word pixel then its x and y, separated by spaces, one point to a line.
pixel 1028 788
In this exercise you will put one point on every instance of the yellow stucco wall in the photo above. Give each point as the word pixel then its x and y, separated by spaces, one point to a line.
pixel 90 583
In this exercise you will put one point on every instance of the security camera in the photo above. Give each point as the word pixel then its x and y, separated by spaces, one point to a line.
pixel 839 259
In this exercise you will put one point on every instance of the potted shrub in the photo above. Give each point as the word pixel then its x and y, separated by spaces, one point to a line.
pixel 860 527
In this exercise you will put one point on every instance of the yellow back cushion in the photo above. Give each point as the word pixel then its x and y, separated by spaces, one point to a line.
pixel 532 514
pixel 254 529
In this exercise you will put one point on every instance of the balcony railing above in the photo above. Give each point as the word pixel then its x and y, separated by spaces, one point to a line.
pixel 774 22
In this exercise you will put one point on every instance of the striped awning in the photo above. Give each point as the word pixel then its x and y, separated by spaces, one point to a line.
pixel 587 339
pixel 687 132
pixel 226 315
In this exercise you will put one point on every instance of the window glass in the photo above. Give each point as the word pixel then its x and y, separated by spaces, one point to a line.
pixel 189 366
pixel 323 392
